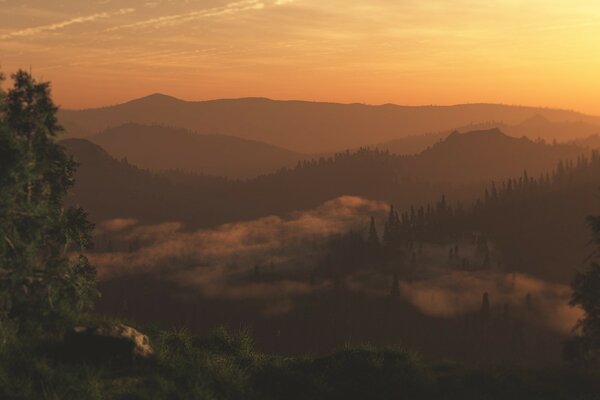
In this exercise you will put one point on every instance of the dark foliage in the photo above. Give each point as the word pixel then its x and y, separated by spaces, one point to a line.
pixel 42 279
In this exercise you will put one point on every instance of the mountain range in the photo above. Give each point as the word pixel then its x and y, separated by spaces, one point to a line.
pixel 536 128
pixel 161 148
pixel 311 127
pixel 458 166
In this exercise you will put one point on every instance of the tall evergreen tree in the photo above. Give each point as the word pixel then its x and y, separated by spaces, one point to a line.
pixel 586 294
pixel 44 277
pixel 373 235
pixel 485 304
pixel 395 290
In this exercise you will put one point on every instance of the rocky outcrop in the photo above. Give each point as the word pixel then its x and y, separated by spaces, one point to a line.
pixel 108 341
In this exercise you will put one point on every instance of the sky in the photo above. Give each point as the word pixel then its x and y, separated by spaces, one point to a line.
pixel 102 52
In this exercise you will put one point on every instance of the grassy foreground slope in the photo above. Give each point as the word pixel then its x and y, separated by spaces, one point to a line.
pixel 226 366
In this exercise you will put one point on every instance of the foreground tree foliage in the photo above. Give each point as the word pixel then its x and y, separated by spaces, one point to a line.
pixel 585 346
pixel 43 282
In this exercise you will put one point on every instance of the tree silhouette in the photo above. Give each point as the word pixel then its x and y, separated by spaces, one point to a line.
pixel 41 282
pixel 373 236
pixel 485 304
pixel 395 291
pixel 586 294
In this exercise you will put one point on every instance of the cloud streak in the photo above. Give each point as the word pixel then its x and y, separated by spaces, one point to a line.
pixel 63 24
pixel 176 19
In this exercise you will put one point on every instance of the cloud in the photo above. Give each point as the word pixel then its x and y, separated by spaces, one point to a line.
pixel 460 292
pixel 251 241
pixel 177 19
pixel 115 225
pixel 60 25
pixel 220 263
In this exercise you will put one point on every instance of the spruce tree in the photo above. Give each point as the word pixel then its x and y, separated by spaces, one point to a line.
pixel 485 304
pixel 373 235
pixel 44 277
pixel 395 290
pixel 585 346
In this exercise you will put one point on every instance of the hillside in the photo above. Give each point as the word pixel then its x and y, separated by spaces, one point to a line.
pixel 457 166
pixel 486 155
pixel 109 188
pixel 307 127
pixel 580 133
pixel 161 148
pixel 226 365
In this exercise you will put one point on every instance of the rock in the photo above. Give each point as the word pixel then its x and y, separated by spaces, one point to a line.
pixel 108 341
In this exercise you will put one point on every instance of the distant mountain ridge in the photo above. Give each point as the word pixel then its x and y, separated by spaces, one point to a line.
pixel 301 126
pixel 536 127
pixel 458 166
pixel 486 155
pixel 162 148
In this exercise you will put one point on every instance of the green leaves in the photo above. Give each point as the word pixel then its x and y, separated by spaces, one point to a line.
pixel 43 281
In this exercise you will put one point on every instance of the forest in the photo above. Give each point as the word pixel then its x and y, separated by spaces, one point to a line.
pixel 466 270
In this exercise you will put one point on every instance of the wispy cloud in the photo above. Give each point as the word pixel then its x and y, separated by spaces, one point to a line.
pixel 176 19
pixel 218 262
pixel 63 24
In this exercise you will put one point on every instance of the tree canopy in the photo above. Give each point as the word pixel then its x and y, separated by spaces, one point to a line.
pixel 44 276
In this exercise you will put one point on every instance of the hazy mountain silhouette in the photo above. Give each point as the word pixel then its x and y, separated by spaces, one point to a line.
pixel 458 166
pixel 308 127
pixel 413 144
pixel 535 128
pixel 590 142
pixel 125 189
pixel 486 155
pixel 159 148
pixel 539 126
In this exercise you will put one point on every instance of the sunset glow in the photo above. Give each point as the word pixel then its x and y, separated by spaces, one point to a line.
pixel 407 52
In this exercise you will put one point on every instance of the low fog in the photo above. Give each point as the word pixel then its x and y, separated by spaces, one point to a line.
pixel 272 260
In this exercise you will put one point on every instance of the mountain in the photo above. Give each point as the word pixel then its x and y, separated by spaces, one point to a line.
pixel 307 127
pixel 160 148
pixel 535 128
pixel 109 188
pixel 590 142
pixel 459 166
pixel 562 131
pixel 413 144
pixel 487 155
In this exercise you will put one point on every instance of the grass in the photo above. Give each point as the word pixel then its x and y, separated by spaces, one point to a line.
pixel 225 365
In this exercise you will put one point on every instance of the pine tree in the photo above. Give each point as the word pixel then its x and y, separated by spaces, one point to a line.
pixel 373 235
pixel 485 304
pixel 586 294
pixel 389 227
pixel 395 291
pixel 494 194
pixel 257 272
pixel 44 277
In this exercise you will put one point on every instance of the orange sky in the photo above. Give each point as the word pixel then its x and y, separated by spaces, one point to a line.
pixel 99 52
